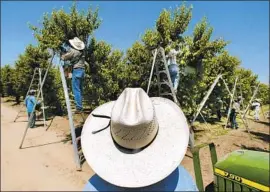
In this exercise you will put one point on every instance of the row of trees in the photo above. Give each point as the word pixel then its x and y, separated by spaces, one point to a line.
pixel 110 70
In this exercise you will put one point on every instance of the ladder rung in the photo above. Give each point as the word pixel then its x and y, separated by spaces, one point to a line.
pixel 165 83
pixel 163 71
pixel 166 94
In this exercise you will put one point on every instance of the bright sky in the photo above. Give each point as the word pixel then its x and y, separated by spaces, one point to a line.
pixel 245 24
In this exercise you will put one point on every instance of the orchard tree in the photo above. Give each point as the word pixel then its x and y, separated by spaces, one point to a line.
pixel 170 27
pixel 7 81
pixel 107 73
pixel 60 26
pixel 247 81
pixel 264 93
pixel 33 57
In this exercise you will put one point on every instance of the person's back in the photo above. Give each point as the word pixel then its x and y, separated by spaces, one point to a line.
pixel 173 67
pixel 172 56
pixel 179 180
pixel 256 105
pixel 30 103
pixel 75 58
pixel 219 104
pixel 236 106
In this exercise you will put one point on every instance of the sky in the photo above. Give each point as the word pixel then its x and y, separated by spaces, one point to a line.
pixel 244 23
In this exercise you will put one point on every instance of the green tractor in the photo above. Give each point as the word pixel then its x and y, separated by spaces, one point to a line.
pixel 241 170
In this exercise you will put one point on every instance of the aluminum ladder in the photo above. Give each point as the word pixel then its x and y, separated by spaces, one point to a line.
pixel 35 84
pixel 160 70
pixel 78 155
pixel 72 129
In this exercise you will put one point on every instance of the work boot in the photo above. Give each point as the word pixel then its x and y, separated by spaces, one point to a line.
pixel 79 111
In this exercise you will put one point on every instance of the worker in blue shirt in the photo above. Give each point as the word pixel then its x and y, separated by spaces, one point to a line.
pixel 178 180
pixel 30 101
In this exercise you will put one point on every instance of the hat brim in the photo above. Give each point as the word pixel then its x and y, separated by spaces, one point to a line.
pixel 75 46
pixel 146 167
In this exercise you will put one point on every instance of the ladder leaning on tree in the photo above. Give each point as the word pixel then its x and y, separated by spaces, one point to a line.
pixel 77 157
pixel 161 67
pixel 35 85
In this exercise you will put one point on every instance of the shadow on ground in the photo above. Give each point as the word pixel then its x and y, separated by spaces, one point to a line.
pixel 78 132
pixel 210 187
pixel 264 122
pixel 252 148
pixel 42 144
pixel 210 120
pixel 262 136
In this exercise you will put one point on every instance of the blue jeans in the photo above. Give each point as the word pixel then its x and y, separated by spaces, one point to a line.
pixel 175 76
pixel 233 119
pixel 33 120
pixel 77 86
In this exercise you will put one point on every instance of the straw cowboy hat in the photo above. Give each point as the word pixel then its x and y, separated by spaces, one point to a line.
pixel 135 141
pixel 77 43
pixel 32 91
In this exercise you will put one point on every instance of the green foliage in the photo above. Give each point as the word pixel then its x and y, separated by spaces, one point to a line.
pixel 201 47
pixel 32 57
pixel 8 81
pixel 110 71
pixel 163 26
pixel 169 28
pixel 60 26
pixel 264 93
pixel 181 18
pixel 248 82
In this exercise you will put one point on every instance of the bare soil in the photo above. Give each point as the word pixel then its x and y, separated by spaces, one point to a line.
pixel 46 160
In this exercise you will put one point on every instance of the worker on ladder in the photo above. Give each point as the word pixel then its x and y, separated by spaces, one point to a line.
pixel 219 107
pixel 256 105
pixel 234 111
pixel 76 57
pixel 173 67
pixel 30 102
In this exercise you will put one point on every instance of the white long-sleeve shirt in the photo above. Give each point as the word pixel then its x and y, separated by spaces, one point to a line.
pixel 256 105
pixel 172 56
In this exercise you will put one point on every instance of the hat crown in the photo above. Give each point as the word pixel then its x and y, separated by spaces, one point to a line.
pixel 77 43
pixel 133 121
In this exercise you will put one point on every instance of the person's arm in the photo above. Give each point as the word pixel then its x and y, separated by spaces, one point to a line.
pixel 68 55
pixel 25 102
pixel 238 107
pixel 33 99
pixel 177 52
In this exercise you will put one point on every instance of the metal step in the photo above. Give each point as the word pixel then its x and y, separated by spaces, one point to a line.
pixel 163 71
pixel 164 94
pixel 165 83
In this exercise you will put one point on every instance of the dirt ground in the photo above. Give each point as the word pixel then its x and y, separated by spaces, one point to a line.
pixel 45 162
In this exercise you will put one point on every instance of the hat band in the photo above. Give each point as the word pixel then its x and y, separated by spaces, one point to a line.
pixel 121 148
pixel 132 151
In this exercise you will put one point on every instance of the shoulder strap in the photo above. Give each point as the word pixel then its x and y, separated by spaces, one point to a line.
pixel 31 101
pixel 76 59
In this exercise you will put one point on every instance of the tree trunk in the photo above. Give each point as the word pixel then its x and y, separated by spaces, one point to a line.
pixel 18 99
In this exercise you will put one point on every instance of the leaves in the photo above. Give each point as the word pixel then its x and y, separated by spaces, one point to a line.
pixel 110 71
pixel 60 26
